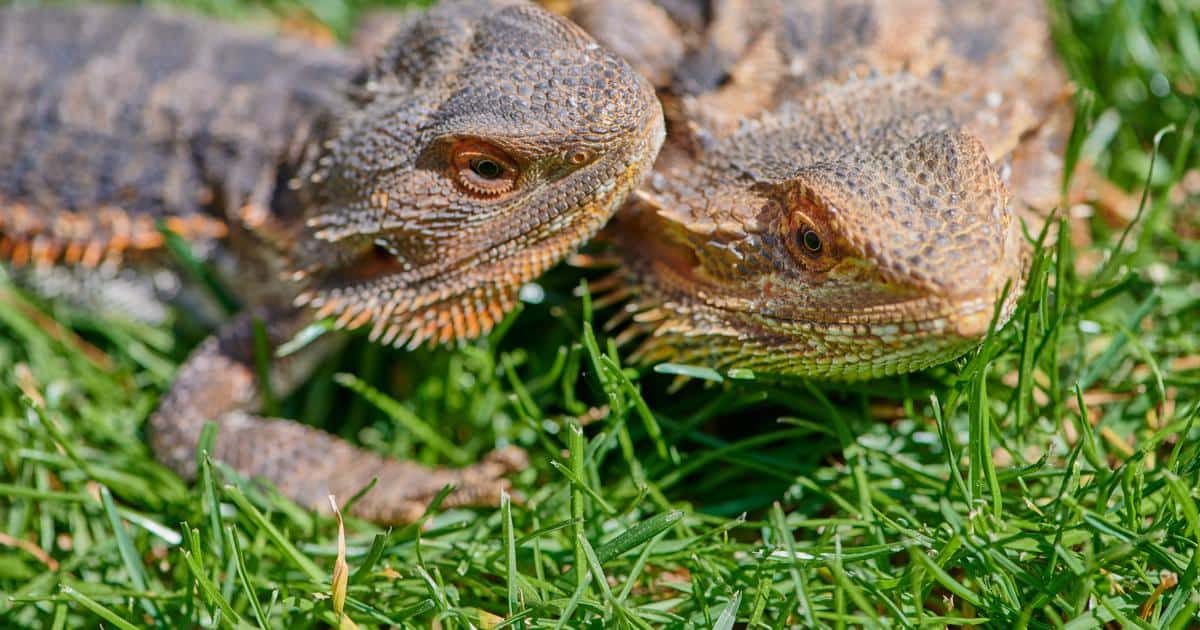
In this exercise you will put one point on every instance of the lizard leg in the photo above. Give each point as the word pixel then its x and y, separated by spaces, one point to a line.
pixel 219 383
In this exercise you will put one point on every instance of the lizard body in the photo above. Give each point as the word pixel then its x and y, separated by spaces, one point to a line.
pixel 864 125
pixel 411 196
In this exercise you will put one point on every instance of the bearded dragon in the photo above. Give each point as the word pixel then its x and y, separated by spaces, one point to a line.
pixel 840 192
pixel 411 196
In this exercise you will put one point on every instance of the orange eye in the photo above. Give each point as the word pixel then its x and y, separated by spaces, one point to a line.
pixel 809 244
pixel 483 169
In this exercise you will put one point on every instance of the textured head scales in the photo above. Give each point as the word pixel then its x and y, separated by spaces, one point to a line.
pixel 487 142
pixel 861 233
pixel 930 216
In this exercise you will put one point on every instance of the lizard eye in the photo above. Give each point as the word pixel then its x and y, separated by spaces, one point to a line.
pixel 487 169
pixel 810 240
pixel 810 245
pixel 805 231
pixel 807 241
pixel 482 169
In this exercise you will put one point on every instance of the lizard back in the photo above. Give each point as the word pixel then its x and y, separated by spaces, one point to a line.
pixel 117 118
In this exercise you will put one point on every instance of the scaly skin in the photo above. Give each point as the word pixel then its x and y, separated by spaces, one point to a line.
pixel 412 197
pixel 834 197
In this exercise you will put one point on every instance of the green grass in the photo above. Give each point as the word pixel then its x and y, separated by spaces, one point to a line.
pixel 1048 479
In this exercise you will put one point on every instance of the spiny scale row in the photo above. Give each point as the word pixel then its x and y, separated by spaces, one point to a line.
pixel 40 238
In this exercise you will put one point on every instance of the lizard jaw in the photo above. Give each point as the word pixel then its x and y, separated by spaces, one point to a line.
pixel 682 313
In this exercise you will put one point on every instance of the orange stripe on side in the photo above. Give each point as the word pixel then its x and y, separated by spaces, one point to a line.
pixel 89 238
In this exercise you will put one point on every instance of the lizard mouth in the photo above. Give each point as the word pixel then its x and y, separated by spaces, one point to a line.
pixel 845 351
pixel 858 344
pixel 867 327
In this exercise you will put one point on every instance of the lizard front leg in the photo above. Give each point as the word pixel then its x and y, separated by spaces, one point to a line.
pixel 219 383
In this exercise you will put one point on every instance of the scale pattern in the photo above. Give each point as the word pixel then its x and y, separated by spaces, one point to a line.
pixel 840 191
pixel 115 119
pixel 411 196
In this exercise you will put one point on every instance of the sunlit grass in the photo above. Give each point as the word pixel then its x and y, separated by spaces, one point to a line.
pixel 1047 479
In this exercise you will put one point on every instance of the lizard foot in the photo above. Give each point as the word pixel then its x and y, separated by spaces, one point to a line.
pixel 303 462
pixel 405 490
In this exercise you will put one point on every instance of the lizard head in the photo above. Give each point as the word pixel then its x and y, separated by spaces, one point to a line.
pixel 881 259
pixel 487 142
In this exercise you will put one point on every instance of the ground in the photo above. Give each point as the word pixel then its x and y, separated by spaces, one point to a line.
pixel 1048 479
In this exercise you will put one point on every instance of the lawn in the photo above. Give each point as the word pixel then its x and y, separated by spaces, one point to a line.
pixel 1050 478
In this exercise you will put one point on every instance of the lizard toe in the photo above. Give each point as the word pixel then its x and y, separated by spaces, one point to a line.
pixel 506 460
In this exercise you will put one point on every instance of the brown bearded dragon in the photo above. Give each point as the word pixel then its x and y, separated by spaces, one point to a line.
pixel 411 197
pixel 841 185
pixel 840 190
